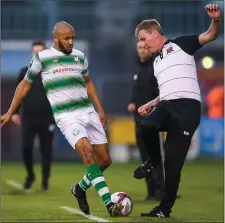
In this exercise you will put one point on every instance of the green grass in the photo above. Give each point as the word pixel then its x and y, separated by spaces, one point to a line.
pixel 201 189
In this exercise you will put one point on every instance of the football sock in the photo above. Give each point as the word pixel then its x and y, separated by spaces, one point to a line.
pixel 95 176
pixel 85 183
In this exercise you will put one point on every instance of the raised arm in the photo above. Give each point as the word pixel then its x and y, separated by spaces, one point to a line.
pixel 212 33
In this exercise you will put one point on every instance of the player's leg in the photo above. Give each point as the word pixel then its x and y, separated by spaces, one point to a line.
pixel 28 135
pixel 182 127
pixel 176 150
pixel 94 173
pixel 97 137
pixel 103 159
pixel 75 131
pixel 46 133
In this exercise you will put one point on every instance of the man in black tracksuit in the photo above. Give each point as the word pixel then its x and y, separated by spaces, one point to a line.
pixel 145 88
pixel 177 109
pixel 36 119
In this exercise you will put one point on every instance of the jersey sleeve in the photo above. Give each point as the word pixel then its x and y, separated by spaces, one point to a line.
pixel 189 44
pixel 85 71
pixel 34 69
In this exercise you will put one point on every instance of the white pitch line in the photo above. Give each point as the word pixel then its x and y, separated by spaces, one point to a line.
pixel 17 186
pixel 92 217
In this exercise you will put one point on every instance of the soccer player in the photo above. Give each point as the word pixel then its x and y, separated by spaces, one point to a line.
pixel 68 86
pixel 177 109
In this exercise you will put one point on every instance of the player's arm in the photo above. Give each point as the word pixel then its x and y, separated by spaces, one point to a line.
pixel 21 91
pixel 16 116
pixel 93 95
pixel 23 88
pixel 146 108
pixel 212 33
pixel 92 92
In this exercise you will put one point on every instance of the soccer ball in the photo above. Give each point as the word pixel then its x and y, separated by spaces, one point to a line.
pixel 124 203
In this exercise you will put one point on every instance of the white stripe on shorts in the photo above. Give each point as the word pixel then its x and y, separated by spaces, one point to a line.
pixel 103 191
pixel 97 180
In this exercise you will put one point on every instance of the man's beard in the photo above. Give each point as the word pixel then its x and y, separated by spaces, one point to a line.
pixel 63 49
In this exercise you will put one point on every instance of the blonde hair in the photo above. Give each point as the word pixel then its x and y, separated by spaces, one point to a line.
pixel 149 24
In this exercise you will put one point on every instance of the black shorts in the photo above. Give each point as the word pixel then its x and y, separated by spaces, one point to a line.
pixel 180 114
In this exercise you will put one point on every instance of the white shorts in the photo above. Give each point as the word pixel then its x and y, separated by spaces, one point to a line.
pixel 77 127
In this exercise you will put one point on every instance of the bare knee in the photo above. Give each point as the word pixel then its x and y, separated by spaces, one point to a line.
pixel 85 149
pixel 105 162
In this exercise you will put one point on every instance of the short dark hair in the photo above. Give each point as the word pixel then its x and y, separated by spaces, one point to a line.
pixel 149 24
pixel 38 42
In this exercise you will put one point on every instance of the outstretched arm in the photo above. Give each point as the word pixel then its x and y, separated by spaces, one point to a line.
pixel 21 91
pixel 212 33
pixel 23 88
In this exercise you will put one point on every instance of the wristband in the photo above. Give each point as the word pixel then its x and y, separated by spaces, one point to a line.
pixel 217 19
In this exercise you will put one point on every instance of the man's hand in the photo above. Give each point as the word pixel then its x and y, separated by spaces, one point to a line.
pixel 213 11
pixel 16 119
pixel 146 108
pixel 212 33
pixel 5 119
pixel 131 107
pixel 102 117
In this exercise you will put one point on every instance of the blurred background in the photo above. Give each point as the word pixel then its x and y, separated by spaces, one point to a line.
pixel 105 33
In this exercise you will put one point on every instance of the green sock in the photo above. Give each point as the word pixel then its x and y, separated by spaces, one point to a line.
pixel 95 176
pixel 85 183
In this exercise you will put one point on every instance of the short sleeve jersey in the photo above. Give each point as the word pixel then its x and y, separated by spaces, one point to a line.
pixel 175 69
pixel 62 77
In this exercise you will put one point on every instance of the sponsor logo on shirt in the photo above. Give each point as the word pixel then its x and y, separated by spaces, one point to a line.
pixel 66 69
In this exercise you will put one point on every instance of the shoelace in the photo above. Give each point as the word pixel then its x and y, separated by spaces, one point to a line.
pixel 147 165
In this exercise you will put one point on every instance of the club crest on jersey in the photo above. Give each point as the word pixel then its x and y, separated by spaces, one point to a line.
pixel 75 59
pixel 75 132
pixel 169 50
pixel 56 60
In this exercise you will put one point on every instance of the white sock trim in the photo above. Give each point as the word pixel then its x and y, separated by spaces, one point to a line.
pixel 97 180
pixel 103 191
pixel 86 180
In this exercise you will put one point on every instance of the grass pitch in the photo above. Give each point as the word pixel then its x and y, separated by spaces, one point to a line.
pixel 201 189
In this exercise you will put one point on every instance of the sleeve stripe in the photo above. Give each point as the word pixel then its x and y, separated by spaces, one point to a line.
pixel 37 56
pixel 27 79
pixel 30 76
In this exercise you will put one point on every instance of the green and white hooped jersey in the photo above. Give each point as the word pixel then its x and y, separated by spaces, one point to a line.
pixel 62 77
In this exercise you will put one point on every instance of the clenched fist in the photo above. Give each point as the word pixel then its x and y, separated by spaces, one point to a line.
pixel 213 11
